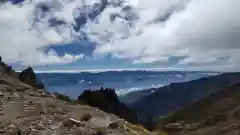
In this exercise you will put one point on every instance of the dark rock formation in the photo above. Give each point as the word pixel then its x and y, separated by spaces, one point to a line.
pixel 7 69
pixel 28 76
pixel 107 100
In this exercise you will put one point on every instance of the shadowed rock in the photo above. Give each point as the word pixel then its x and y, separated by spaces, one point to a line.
pixel 28 76
pixel 107 100
pixel 7 69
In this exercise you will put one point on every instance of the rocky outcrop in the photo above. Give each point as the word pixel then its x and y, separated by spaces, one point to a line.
pixel 107 100
pixel 7 69
pixel 28 76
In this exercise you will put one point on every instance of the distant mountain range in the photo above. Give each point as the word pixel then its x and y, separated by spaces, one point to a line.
pixel 163 100
pixel 73 84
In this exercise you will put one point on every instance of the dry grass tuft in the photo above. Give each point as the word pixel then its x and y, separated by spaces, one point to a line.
pixel 86 117
pixel 138 128
pixel 101 131
pixel 158 132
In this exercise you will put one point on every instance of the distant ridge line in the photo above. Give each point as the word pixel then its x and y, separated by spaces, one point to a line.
pixel 117 70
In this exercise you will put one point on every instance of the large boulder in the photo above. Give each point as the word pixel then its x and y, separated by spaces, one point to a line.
pixel 107 100
pixel 28 76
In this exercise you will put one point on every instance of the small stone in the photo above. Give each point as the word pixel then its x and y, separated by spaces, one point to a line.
pixel 114 125
pixel 1 94
pixel 12 126
pixel 2 131
pixel 30 102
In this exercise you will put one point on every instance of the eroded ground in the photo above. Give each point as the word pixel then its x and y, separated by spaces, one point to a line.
pixel 29 111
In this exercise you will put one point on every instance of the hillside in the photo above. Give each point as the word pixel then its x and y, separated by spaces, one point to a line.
pixel 216 114
pixel 25 109
pixel 177 95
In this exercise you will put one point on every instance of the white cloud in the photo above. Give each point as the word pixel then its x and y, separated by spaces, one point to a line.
pixel 50 58
pixel 202 31
pixel 23 43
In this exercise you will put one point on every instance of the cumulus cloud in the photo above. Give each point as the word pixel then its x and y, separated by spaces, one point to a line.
pixel 201 32
pixel 50 58
pixel 23 43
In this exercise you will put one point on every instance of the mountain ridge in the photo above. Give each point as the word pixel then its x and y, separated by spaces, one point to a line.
pixel 176 95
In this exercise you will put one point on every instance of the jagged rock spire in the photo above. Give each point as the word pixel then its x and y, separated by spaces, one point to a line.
pixel 107 100
pixel 28 76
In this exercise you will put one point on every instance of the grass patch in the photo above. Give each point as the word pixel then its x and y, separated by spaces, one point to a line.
pixel 138 128
pixel 101 131
pixel 53 106
pixel 86 117
pixel 158 132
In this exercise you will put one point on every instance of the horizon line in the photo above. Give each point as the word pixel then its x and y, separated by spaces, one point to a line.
pixel 119 70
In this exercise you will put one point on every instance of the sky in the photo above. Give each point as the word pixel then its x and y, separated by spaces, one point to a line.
pixel 121 34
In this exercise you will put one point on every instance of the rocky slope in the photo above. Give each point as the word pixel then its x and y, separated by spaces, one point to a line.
pixel 26 109
pixel 216 114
